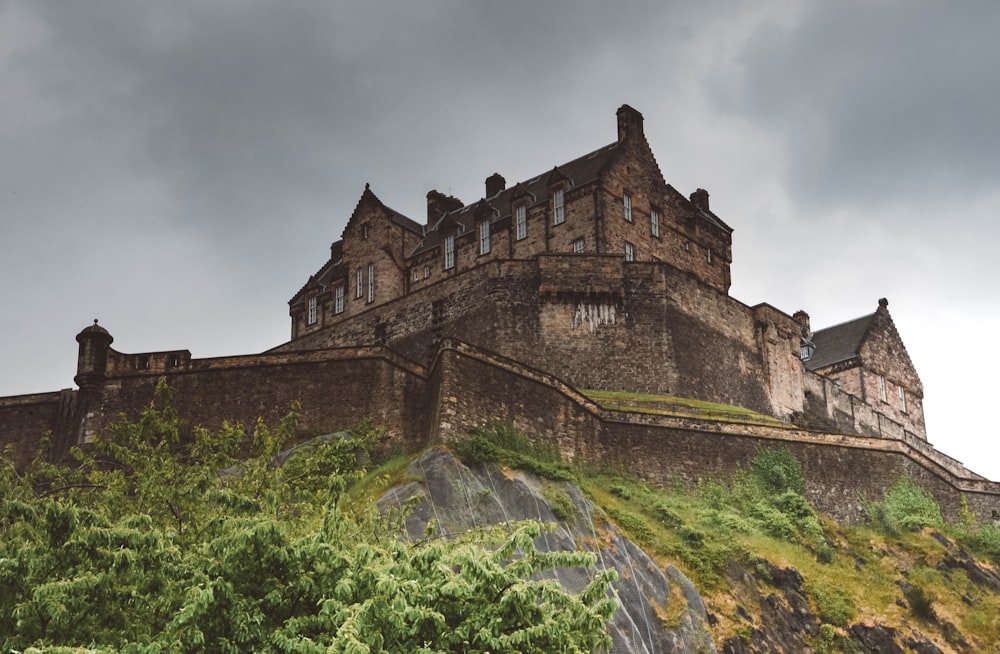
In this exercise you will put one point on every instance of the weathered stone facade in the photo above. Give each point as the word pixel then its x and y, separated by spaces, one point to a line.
pixel 515 306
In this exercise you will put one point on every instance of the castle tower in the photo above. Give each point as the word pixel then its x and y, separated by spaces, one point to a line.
pixel 92 360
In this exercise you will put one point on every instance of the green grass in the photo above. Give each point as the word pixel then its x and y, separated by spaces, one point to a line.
pixel 680 407
pixel 759 519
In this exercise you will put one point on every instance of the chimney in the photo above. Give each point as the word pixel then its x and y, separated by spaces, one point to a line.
pixel 494 184
pixel 802 318
pixel 629 123
pixel 700 199
pixel 438 204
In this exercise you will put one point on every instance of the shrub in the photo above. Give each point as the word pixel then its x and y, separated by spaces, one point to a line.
pixel 906 507
pixel 832 605
pixel 776 470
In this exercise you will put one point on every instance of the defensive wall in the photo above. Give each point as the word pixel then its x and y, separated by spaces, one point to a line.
pixel 842 471
pixel 465 386
pixel 597 322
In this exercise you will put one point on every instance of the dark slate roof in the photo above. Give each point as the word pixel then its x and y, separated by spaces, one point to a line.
pixel 580 171
pixel 838 343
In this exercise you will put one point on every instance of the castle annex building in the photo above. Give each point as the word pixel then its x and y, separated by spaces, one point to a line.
pixel 530 305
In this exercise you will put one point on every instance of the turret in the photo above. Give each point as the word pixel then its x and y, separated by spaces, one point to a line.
pixel 92 360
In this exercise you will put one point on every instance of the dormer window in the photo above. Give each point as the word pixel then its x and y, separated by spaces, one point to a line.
pixel 484 237
pixel 520 222
pixel 627 201
pixel 449 252
pixel 654 223
pixel 311 318
pixel 558 209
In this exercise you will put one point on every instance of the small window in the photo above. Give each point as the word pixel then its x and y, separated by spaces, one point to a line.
pixel 364 232
pixel 627 199
pixel 338 300
pixel 654 223
pixel 311 319
pixel 578 246
pixel 416 275
pixel 484 237
pixel 360 287
pixel 708 255
pixel 558 209
pixel 449 252
pixel 427 271
pixel 629 251
pixel 881 389
pixel 371 282
pixel 521 222
pixel 902 399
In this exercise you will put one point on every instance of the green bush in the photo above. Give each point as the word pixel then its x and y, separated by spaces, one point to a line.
pixel 832 604
pixel 906 507
pixel 776 470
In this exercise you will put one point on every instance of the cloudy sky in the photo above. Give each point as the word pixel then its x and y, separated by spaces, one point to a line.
pixel 178 169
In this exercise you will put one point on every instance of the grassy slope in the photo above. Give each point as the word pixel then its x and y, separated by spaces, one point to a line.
pixel 851 574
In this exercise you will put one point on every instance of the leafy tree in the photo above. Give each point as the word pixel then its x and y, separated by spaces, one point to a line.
pixel 158 539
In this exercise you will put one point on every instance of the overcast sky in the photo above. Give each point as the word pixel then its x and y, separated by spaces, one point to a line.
pixel 178 169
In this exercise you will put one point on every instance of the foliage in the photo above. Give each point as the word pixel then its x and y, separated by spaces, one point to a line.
pixel 158 540
pixel 501 443
pixel 906 507
pixel 833 605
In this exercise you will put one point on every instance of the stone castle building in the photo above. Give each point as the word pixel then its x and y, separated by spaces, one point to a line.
pixel 535 305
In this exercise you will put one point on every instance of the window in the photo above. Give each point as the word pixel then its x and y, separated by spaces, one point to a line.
pixel 311 319
pixel 364 232
pixel 484 237
pixel 371 282
pixel 427 272
pixel 628 207
pixel 902 400
pixel 578 246
pixel 881 388
pixel 629 251
pixel 521 222
pixel 360 288
pixel 558 210
pixel 654 223
pixel 449 252
pixel 338 300
pixel 708 255
pixel 416 275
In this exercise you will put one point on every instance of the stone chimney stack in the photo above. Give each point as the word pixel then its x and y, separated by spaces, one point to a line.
pixel 700 199
pixel 494 184
pixel 802 318
pixel 438 204
pixel 629 124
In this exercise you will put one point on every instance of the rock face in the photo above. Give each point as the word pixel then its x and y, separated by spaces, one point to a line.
pixel 660 610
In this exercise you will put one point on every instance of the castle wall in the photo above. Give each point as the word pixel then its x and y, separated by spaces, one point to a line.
pixel 25 419
pixel 336 389
pixel 596 322
pixel 841 471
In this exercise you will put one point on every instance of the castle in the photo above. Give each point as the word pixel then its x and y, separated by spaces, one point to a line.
pixel 588 305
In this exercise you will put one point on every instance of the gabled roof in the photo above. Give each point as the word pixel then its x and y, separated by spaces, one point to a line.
pixel 368 197
pixel 580 171
pixel 839 343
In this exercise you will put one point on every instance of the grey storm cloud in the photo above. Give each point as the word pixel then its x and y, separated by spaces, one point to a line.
pixel 877 100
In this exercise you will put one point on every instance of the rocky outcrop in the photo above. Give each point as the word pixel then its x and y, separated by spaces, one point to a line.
pixel 660 610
